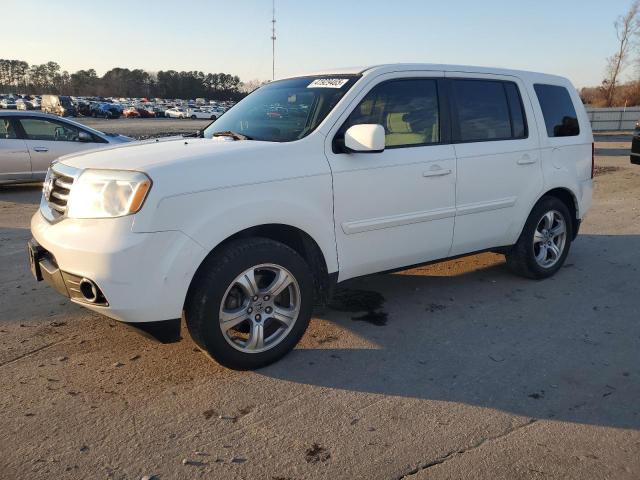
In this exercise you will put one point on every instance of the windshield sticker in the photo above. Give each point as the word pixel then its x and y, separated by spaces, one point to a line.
pixel 328 83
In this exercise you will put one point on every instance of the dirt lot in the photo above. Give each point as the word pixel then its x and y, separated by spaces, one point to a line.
pixel 474 373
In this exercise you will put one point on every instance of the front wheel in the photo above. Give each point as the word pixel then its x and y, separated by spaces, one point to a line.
pixel 250 303
pixel 545 240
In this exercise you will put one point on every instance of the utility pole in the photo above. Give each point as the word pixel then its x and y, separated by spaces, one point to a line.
pixel 273 41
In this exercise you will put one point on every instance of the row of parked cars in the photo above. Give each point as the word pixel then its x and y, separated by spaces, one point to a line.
pixel 66 106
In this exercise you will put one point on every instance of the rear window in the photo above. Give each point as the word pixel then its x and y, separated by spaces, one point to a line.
pixel 488 110
pixel 557 108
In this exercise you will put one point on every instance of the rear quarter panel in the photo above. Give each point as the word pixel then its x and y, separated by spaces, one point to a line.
pixel 566 161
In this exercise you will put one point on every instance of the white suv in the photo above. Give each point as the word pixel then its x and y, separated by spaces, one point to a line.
pixel 310 181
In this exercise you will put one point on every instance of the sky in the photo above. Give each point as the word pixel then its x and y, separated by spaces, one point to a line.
pixel 572 38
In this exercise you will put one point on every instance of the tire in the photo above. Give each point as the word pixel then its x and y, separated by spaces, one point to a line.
pixel 213 117
pixel 193 117
pixel 216 293
pixel 541 251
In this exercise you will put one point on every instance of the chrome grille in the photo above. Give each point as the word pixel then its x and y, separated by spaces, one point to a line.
pixel 59 194
pixel 56 190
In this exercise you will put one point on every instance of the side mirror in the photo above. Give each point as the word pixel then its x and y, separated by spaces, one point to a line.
pixel 84 137
pixel 364 138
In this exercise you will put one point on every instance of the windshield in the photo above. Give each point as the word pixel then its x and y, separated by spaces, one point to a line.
pixel 285 110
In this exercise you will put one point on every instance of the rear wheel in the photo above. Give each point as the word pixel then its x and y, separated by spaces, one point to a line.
pixel 544 242
pixel 250 303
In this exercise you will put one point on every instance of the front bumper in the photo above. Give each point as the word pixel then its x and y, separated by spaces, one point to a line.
pixel 44 267
pixel 143 277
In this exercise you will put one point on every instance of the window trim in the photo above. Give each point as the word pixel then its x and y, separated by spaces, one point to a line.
pixel 456 137
pixel 337 144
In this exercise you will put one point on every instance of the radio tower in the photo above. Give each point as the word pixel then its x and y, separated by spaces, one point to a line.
pixel 273 41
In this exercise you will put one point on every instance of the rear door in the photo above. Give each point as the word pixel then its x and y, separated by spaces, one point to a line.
pixel 48 139
pixel 15 162
pixel 498 160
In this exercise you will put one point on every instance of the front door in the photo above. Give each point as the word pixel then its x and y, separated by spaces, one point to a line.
pixel 48 139
pixel 15 163
pixel 395 208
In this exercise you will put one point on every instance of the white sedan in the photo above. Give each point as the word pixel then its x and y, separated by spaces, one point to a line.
pixel 202 114
pixel 175 112
pixel 30 141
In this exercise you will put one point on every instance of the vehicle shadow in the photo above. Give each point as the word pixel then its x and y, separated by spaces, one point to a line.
pixel 566 348
pixel 24 193
pixel 622 136
pixel 613 152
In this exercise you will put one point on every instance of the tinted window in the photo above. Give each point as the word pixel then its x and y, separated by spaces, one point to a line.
pixel 6 129
pixel 559 114
pixel 37 129
pixel 488 110
pixel 407 109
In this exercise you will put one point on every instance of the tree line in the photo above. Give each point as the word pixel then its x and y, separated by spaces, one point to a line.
pixel 612 92
pixel 17 76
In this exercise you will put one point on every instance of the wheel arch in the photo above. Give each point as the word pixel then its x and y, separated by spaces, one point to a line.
pixel 296 239
pixel 567 197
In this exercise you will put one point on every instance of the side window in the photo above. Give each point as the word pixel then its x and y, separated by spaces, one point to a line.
pixel 557 108
pixel 46 130
pixel 407 109
pixel 7 132
pixel 488 110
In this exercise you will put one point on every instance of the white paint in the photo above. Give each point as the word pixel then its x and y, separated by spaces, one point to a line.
pixel 367 212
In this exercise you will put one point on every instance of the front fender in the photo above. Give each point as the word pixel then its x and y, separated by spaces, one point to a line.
pixel 210 217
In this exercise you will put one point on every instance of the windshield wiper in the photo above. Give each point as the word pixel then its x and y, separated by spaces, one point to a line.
pixel 234 135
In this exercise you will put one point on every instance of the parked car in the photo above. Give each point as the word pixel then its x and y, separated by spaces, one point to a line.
pixel 8 103
pixel 105 110
pixel 60 105
pixel 194 113
pixel 635 145
pixel 236 233
pixel 131 112
pixel 84 108
pixel 175 112
pixel 30 141
pixel 23 104
pixel 146 112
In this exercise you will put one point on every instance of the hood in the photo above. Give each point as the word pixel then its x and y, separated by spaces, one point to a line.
pixel 150 155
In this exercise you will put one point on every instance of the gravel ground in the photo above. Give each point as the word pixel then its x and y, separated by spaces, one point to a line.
pixel 473 373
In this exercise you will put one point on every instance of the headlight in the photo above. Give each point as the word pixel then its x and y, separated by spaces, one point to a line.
pixel 107 194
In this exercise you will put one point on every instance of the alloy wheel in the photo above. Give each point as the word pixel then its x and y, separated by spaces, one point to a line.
pixel 549 239
pixel 259 308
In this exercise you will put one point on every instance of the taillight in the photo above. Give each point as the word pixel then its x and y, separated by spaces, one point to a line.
pixel 593 159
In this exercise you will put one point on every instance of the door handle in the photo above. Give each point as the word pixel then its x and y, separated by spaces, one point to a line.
pixel 40 149
pixel 526 160
pixel 436 171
